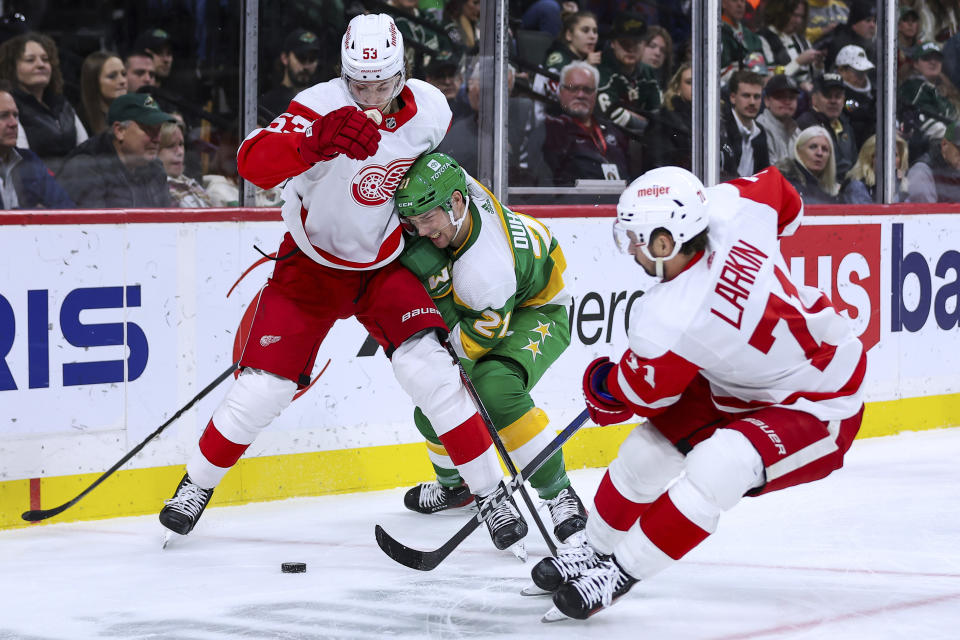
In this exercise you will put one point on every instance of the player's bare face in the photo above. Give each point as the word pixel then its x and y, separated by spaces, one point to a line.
pixel 436 225
pixel 378 93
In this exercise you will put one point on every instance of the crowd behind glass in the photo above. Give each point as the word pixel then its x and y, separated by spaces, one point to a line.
pixel 599 91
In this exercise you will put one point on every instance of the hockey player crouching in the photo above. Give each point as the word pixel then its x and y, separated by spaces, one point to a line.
pixel 338 259
pixel 750 381
pixel 497 278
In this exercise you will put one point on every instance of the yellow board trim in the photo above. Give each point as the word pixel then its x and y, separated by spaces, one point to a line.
pixel 142 491
pixel 524 428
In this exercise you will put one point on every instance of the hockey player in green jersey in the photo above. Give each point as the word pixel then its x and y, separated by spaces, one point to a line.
pixel 497 278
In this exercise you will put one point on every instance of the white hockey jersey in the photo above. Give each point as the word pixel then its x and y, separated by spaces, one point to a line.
pixel 341 212
pixel 735 316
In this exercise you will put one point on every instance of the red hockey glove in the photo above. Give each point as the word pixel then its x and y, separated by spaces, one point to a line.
pixel 346 130
pixel 604 409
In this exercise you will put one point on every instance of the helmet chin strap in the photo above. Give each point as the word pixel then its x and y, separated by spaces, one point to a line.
pixel 658 262
pixel 466 208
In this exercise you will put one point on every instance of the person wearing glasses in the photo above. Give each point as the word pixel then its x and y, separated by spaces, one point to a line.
pixel 578 144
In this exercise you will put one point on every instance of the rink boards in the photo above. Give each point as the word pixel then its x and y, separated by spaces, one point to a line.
pixel 111 321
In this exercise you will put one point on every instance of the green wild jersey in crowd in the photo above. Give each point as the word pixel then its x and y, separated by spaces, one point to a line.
pixel 510 261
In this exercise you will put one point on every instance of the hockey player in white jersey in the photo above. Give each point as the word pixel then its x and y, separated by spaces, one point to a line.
pixel 338 260
pixel 750 382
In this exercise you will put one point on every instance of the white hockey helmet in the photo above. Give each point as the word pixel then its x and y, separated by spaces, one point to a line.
pixel 670 198
pixel 372 51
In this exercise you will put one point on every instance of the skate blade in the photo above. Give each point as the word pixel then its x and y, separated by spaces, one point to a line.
pixel 519 550
pixel 554 615
pixel 534 590
pixel 168 537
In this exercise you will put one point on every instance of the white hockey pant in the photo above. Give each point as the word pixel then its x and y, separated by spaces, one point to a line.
pixel 426 372
pixel 253 402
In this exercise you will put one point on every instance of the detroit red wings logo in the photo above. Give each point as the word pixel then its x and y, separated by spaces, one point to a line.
pixel 374 185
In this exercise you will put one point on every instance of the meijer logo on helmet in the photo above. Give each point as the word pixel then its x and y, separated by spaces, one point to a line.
pixel 653 192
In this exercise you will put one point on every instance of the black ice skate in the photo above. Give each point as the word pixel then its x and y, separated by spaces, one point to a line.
pixel 571 562
pixel 181 512
pixel 430 497
pixel 507 527
pixel 595 589
pixel 568 515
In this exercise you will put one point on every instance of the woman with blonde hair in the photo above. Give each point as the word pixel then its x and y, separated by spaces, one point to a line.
pixel 668 140
pixel 861 183
pixel 812 169
pixel 184 190
pixel 102 78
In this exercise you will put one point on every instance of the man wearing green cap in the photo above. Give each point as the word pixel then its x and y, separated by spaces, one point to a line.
pixel 497 278
pixel 118 168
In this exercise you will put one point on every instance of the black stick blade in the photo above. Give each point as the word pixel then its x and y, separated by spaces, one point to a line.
pixel 408 557
pixel 36 515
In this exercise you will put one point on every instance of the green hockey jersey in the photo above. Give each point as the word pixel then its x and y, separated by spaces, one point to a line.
pixel 509 261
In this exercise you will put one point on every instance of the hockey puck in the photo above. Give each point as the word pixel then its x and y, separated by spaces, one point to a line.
pixel 294 567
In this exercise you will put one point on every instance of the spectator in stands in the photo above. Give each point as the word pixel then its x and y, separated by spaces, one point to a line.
pixel 222 184
pixel 578 145
pixel 739 46
pixel 157 43
pixel 785 47
pixel 102 79
pixel 525 137
pixel 823 16
pixel 860 186
pixel 184 190
pixel 930 92
pixel 543 15
pixel 743 143
pixel 298 60
pixel 860 29
pixel 49 125
pixel 461 24
pixel 25 182
pixel 827 101
pixel 657 53
pixel 951 59
pixel 811 168
pixel 939 19
pixel 908 37
pixel 935 177
pixel 777 119
pixel 141 71
pixel 577 41
pixel 669 138
pixel 628 89
pixel 119 167
pixel 861 96
pixel 445 72
pixel 422 36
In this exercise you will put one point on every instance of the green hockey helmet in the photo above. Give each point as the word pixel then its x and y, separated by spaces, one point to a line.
pixel 429 183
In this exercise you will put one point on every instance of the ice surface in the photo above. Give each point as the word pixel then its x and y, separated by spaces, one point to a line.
pixel 871 552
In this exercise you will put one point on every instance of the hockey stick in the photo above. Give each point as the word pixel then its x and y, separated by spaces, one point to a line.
pixel 35 515
pixel 501 448
pixel 428 560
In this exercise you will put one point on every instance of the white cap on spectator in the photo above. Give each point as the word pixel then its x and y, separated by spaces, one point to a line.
pixel 855 57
